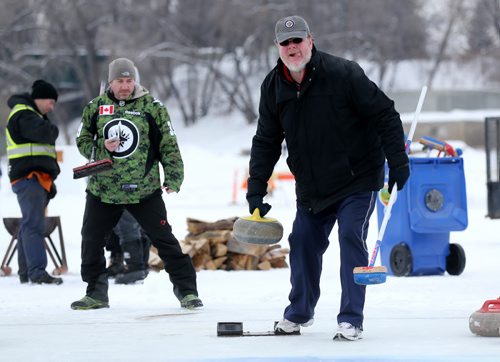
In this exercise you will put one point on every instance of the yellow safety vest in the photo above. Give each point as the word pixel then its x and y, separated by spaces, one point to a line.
pixel 15 150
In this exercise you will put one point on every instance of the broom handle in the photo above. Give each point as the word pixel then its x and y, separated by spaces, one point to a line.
pixel 102 89
pixel 415 118
pixel 392 199
pixel 385 220
pixel 94 146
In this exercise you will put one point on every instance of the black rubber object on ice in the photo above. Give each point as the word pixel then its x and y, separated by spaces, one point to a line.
pixel 235 329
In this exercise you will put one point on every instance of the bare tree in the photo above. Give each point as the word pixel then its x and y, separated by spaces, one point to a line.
pixel 455 11
pixel 76 39
pixel 494 10
pixel 381 31
pixel 479 36
pixel 210 56
pixel 18 36
pixel 483 37
pixel 17 30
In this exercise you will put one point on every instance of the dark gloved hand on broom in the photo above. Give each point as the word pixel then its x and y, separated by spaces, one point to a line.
pixel 256 202
pixel 398 175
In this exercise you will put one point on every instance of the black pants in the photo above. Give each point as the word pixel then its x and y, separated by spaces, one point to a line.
pixel 131 242
pixel 98 221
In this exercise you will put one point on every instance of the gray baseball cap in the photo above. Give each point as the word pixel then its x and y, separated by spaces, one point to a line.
pixel 291 27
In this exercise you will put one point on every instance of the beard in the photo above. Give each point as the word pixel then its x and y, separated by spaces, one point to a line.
pixel 299 67
pixel 123 96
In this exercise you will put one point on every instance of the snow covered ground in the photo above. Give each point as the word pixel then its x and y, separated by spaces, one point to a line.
pixel 406 319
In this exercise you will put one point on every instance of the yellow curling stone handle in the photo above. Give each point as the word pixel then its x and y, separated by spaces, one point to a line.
pixel 256 217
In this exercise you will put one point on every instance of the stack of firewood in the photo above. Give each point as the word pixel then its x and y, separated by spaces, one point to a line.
pixel 211 246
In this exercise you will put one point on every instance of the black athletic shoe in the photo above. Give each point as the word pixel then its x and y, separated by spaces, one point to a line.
pixel 47 279
pixel 131 277
pixel 191 301
pixel 87 303
pixel 23 279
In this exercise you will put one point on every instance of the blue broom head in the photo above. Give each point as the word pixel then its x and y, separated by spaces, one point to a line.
pixel 370 275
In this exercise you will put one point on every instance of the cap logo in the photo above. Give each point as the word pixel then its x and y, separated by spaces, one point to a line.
pixel 289 23
pixel 126 74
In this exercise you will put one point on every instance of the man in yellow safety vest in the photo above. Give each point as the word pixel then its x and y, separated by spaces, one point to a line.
pixel 33 167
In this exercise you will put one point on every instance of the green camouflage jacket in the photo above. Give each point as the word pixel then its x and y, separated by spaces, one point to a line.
pixel 146 139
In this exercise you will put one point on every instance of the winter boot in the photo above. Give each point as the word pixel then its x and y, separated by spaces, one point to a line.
pixel 45 278
pixel 133 253
pixel 131 277
pixel 191 301
pixel 116 265
pixel 87 303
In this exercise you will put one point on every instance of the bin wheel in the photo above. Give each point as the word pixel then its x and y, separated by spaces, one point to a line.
pixel 455 261
pixel 401 260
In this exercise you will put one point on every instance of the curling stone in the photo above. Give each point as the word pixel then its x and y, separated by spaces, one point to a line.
pixel 486 321
pixel 257 230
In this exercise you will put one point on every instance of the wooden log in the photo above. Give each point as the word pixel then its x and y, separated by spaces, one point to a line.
pixel 215 236
pixel 198 226
pixel 218 262
pixel 238 261
pixel 187 249
pixel 199 260
pixel 218 236
pixel 201 246
pixel 210 265
pixel 251 262
pixel 279 263
pixel 274 254
pixel 265 265
pixel 154 261
pixel 219 250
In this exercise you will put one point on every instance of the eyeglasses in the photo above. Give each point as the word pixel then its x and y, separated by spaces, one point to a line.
pixel 284 43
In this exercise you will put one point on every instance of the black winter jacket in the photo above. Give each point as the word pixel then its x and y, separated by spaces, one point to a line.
pixel 27 127
pixel 339 128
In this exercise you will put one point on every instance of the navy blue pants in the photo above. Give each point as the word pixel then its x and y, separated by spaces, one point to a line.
pixel 309 241
pixel 31 255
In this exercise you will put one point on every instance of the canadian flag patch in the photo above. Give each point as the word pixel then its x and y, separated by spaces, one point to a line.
pixel 106 110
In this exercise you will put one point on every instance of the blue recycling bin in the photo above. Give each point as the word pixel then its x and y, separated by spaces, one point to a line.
pixel 431 205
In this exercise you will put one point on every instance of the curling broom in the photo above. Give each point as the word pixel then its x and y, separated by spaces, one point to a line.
pixel 92 168
pixel 371 274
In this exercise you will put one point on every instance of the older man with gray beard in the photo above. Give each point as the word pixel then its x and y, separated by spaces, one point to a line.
pixel 339 128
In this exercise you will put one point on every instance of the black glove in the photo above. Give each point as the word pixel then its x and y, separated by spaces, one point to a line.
pixel 256 202
pixel 398 175
pixel 53 191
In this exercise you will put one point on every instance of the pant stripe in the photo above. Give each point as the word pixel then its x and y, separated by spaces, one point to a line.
pixel 367 218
